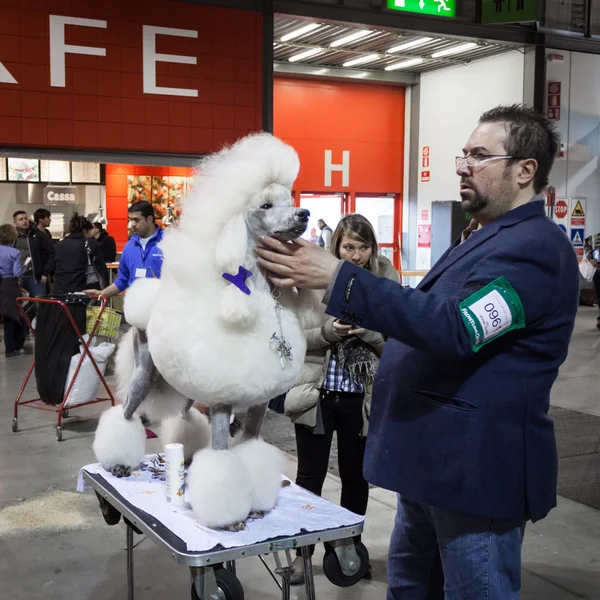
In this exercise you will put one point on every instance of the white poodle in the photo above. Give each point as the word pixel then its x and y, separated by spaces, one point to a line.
pixel 213 330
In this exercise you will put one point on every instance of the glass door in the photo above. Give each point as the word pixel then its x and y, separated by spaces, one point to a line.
pixel 329 207
pixel 381 212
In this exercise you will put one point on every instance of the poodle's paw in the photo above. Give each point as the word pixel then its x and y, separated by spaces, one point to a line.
pixel 120 471
pixel 191 430
pixel 257 514
pixel 264 464
pixel 119 444
pixel 219 489
pixel 234 527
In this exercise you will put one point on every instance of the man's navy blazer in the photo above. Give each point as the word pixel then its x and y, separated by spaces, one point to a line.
pixel 463 430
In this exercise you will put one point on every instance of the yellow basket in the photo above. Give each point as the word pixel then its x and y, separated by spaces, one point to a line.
pixel 109 322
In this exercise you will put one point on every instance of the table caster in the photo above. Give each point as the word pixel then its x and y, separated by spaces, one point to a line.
pixel 229 587
pixel 354 568
pixel 15 425
pixel 59 434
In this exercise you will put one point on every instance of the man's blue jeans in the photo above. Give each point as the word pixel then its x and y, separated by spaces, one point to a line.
pixel 481 557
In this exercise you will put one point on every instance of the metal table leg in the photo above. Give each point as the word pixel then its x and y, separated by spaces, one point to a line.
pixel 309 580
pixel 129 562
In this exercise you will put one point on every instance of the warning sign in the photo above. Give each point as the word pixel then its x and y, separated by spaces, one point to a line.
pixel 577 235
pixel 577 221
pixel 425 176
pixel 578 210
pixel 560 209
pixel 425 150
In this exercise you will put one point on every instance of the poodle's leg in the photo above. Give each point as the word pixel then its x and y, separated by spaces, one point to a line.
pixel 120 439
pixel 144 375
pixel 264 462
pixel 188 407
pixel 218 485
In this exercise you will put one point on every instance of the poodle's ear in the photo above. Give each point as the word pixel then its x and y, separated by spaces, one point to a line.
pixel 237 308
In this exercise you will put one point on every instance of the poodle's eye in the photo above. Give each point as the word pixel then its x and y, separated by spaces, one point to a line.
pixel 266 206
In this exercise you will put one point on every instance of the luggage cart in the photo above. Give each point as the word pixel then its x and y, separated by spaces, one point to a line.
pixel 62 409
pixel 213 572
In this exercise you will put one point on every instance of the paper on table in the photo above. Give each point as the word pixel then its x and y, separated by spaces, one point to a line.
pixel 297 511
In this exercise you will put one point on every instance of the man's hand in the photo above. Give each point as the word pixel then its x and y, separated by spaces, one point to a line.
pixel 107 292
pixel 297 264
pixel 43 279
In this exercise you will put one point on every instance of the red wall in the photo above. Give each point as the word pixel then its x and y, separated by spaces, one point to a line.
pixel 116 194
pixel 367 120
pixel 103 105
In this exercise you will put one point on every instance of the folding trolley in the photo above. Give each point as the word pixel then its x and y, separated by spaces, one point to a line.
pixel 62 409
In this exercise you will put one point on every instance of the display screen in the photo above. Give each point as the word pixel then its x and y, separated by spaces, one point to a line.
pixel 23 169
pixel 55 171
pixel 85 172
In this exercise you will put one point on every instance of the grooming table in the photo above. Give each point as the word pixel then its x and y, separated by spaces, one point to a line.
pixel 280 531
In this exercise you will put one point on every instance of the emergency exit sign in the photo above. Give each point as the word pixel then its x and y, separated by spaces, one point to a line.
pixel 509 11
pixel 439 8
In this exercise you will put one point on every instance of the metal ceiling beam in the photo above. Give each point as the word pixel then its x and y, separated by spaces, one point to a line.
pixel 337 74
pixel 452 28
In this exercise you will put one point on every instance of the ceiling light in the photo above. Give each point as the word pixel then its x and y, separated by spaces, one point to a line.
pixel 404 64
pixel 454 50
pixel 305 54
pixel 360 60
pixel 357 35
pixel 407 45
pixel 298 32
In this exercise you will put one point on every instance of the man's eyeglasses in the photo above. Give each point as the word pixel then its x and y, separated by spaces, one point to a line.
pixel 479 160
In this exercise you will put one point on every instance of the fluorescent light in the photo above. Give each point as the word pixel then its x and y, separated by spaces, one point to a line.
pixel 357 35
pixel 298 32
pixel 454 50
pixel 305 54
pixel 404 64
pixel 407 45
pixel 361 59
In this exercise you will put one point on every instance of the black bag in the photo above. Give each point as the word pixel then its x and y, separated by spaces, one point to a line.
pixel 93 277
pixel 277 404
pixel 55 343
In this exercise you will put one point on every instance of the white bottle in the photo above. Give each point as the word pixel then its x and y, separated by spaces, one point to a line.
pixel 175 471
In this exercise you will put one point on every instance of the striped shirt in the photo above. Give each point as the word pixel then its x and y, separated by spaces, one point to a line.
pixel 338 379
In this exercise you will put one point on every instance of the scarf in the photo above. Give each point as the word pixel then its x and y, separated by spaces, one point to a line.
pixel 359 358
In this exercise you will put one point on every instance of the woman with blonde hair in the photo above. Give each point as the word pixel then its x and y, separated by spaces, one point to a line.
pixel 10 271
pixel 333 394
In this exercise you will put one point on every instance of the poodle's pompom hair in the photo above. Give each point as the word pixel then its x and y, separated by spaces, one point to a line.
pixel 191 430
pixel 139 300
pixel 118 441
pixel 219 488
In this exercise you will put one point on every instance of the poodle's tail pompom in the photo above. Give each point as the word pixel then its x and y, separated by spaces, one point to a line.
pixel 139 299
pixel 236 307
pixel 119 442
pixel 191 430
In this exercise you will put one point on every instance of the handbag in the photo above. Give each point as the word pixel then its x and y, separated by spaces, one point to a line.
pixel 587 269
pixel 93 278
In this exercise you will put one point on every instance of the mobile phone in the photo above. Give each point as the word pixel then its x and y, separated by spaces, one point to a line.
pixel 343 322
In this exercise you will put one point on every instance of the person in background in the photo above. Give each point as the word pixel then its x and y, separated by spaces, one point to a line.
pixel 42 218
pixel 313 238
pixel 459 426
pixel 10 271
pixel 107 244
pixel 37 254
pixel 326 232
pixel 333 394
pixel 74 255
pixel 141 256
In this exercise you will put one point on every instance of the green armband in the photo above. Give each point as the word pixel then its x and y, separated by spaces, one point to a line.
pixel 491 312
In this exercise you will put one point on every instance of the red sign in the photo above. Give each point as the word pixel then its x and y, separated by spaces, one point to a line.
pixel 425 177
pixel 425 162
pixel 577 221
pixel 554 100
pixel 561 209
pixel 424 236
pixel 424 215
pixel 425 150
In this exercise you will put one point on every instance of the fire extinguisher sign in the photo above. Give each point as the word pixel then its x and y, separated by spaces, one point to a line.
pixel 554 100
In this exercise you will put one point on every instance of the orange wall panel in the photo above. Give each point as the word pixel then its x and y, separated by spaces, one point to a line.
pixel 365 120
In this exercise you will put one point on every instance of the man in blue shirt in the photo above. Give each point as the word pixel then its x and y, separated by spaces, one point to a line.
pixel 141 256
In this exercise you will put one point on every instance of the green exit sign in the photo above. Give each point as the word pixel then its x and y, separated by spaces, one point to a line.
pixel 439 8
pixel 508 11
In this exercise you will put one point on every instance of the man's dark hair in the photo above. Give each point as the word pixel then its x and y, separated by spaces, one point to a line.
pixel 41 213
pixel 99 226
pixel 17 213
pixel 143 207
pixel 79 224
pixel 530 135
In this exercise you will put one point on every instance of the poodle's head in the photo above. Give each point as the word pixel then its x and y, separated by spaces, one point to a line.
pixel 271 213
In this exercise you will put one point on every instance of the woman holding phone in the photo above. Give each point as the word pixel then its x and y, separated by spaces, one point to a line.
pixel 333 394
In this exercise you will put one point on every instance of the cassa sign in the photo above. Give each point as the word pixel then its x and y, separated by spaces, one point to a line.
pixel 561 209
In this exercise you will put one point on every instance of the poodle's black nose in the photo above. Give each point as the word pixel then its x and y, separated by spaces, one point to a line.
pixel 303 213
